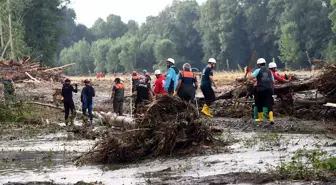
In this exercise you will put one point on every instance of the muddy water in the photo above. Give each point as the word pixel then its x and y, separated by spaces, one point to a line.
pixel 48 158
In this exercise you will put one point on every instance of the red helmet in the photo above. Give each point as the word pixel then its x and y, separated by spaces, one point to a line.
pixel 86 81
pixel 134 73
pixel 67 80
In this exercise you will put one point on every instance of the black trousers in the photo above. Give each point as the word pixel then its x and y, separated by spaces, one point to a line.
pixel 187 92
pixel 209 95
pixel 69 106
pixel 118 107
pixel 264 98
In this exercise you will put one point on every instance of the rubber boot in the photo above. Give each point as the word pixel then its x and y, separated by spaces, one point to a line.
pixel 265 111
pixel 255 112
pixel 206 111
pixel 260 117
pixel 203 109
pixel 271 117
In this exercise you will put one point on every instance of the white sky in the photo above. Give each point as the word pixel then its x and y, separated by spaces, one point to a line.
pixel 88 11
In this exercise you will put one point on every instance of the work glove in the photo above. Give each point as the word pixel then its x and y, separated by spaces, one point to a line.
pixel 248 70
pixel 175 93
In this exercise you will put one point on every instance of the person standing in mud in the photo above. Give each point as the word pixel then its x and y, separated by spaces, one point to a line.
pixel 159 83
pixel 9 89
pixel 118 97
pixel 143 94
pixel 148 79
pixel 264 90
pixel 135 80
pixel 69 104
pixel 172 77
pixel 187 84
pixel 206 87
pixel 87 95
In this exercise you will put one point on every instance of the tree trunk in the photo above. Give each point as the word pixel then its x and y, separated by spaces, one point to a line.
pixel 10 30
pixel 1 35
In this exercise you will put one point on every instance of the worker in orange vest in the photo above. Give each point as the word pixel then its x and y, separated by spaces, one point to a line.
pixel 187 84
pixel 118 97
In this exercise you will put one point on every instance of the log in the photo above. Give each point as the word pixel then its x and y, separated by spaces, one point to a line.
pixel 330 105
pixel 35 80
pixel 117 121
pixel 59 68
pixel 295 86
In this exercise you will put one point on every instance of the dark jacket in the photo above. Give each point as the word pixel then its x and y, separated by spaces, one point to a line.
pixel 67 92
pixel 87 95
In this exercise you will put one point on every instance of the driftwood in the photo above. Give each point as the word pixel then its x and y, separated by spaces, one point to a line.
pixel 295 86
pixel 59 68
pixel 20 71
pixel 113 119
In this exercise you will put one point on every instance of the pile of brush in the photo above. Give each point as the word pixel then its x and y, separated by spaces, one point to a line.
pixel 170 125
pixel 326 83
pixel 25 70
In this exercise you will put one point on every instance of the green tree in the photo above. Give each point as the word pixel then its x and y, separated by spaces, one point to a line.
pixel 289 46
pixel 164 49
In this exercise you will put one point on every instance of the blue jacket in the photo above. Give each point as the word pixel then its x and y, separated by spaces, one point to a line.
pixel 171 76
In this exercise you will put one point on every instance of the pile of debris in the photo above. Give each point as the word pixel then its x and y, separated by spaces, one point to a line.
pixel 31 71
pixel 168 126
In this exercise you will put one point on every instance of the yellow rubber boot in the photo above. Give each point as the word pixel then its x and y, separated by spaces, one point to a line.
pixel 206 111
pixel 203 109
pixel 271 117
pixel 260 117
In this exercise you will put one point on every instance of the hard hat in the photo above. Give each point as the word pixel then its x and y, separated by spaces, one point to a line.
pixel 157 72
pixel 67 80
pixel 134 73
pixel 145 71
pixel 212 60
pixel 261 61
pixel 171 60
pixel 86 81
pixel 272 65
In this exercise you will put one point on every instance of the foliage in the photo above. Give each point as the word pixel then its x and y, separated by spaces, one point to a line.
pixel 308 165
pixel 227 30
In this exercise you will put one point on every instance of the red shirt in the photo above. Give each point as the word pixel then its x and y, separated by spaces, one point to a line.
pixel 159 85
pixel 277 77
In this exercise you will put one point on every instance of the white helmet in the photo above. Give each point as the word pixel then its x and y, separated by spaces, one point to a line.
pixel 171 60
pixel 272 65
pixel 157 72
pixel 261 61
pixel 212 60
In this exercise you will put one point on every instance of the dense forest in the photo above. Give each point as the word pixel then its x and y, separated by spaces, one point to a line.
pixel 228 30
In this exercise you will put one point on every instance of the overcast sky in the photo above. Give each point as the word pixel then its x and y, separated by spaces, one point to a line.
pixel 88 11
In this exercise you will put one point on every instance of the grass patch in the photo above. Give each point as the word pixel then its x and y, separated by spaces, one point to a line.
pixel 308 165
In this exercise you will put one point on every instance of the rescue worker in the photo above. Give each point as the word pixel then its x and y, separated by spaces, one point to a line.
pixel 264 90
pixel 206 86
pixel 187 84
pixel 273 68
pixel 172 77
pixel 9 89
pixel 69 104
pixel 135 80
pixel 118 97
pixel 148 79
pixel 159 83
pixel 87 95
pixel 142 93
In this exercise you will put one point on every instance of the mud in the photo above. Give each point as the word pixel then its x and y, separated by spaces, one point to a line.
pixel 48 158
